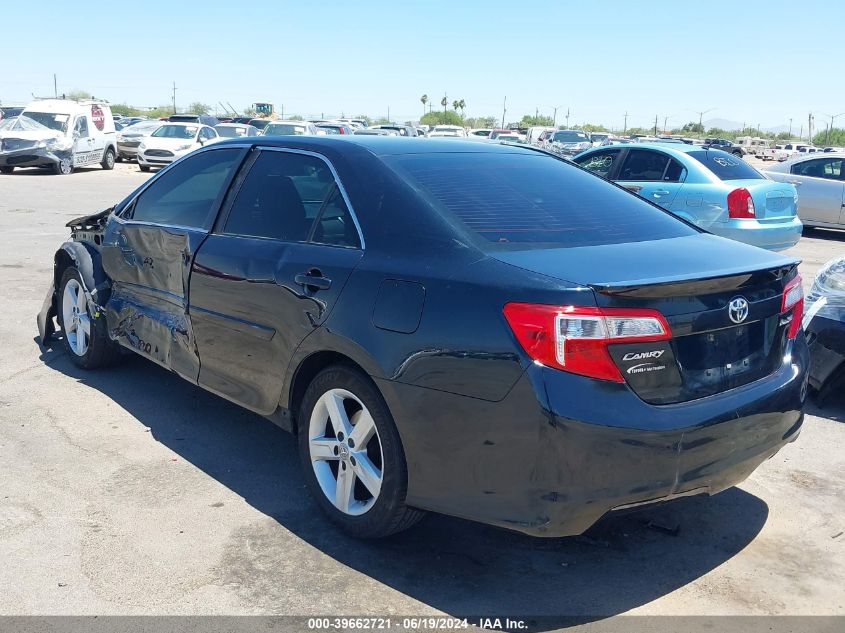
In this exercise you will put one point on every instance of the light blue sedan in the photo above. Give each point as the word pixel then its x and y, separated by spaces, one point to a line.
pixel 712 189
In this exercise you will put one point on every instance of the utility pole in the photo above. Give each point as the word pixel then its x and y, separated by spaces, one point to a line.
pixel 55 87
pixel 790 127
pixel 504 110
pixel 655 125
pixel 554 117
pixel 665 121
pixel 625 128
pixel 174 97
pixel 388 114
pixel 701 114
pixel 810 128
pixel 567 118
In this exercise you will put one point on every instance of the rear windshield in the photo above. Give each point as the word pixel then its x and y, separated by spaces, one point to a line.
pixel 725 166
pixel 282 129
pixel 520 200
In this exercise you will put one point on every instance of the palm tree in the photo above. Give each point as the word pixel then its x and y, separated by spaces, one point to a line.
pixel 462 105
pixel 424 100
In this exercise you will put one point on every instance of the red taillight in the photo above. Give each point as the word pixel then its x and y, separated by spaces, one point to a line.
pixel 793 300
pixel 575 338
pixel 740 204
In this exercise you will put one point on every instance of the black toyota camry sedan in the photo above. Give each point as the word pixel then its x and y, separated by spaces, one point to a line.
pixel 481 330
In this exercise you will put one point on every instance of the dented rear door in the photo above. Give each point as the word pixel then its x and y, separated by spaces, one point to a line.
pixel 147 253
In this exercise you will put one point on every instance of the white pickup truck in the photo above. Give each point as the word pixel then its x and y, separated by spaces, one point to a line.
pixel 782 151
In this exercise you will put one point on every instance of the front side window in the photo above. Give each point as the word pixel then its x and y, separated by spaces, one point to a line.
pixel 185 194
pixel 828 168
pixel 600 163
pixel 282 197
pixel 81 127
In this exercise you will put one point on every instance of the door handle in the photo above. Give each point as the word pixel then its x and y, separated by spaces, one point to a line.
pixel 313 280
pixel 797 183
pixel 659 193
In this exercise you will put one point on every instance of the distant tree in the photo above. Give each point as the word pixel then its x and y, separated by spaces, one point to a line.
pixel 382 120
pixel 591 127
pixel 296 117
pixel 482 122
pixel 449 117
pixel 640 130
pixel 78 95
pixel 836 138
pixel 199 108
pixel 692 128
pixel 530 120
pixel 424 100
pixel 365 118
pixel 462 105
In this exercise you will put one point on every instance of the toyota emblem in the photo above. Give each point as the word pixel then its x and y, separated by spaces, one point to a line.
pixel 738 309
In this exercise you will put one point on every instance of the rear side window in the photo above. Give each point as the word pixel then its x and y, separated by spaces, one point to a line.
pixel 829 168
pixel 644 166
pixel 514 200
pixel 186 193
pixel 282 197
pixel 725 166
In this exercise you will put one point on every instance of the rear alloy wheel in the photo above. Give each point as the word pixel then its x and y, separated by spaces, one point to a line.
pixel 63 167
pixel 352 456
pixel 85 336
pixel 108 159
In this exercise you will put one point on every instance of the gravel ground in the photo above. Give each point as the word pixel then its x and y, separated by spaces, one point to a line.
pixel 130 491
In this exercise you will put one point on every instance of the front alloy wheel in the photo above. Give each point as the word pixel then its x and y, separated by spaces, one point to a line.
pixel 75 318
pixel 64 166
pixel 84 327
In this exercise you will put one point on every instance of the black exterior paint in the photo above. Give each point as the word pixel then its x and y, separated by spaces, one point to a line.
pixel 488 434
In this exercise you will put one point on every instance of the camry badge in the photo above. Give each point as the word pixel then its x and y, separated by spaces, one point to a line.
pixel 738 309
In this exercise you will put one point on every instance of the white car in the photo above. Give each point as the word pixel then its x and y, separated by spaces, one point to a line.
pixel 818 179
pixel 60 134
pixel 447 131
pixel 172 141
pixel 290 128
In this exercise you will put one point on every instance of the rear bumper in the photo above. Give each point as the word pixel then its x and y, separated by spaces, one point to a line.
pixel 561 451
pixel 768 234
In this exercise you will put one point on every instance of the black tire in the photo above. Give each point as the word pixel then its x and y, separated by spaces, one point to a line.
pixel 109 159
pixel 388 514
pixel 6 169
pixel 144 167
pixel 101 351
pixel 63 167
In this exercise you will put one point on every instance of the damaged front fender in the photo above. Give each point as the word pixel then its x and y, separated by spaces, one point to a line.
pixel 86 259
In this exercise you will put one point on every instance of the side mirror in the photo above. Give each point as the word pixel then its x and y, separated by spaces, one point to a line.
pixel 75 134
pixel 201 140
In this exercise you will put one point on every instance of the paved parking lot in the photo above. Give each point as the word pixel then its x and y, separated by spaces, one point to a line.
pixel 131 491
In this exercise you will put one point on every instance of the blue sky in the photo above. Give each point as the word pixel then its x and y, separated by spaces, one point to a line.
pixel 752 61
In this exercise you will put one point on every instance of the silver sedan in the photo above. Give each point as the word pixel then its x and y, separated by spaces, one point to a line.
pixel 820 180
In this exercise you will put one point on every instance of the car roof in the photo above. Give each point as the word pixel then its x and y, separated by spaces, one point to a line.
pixel 383 145
pixel 185 123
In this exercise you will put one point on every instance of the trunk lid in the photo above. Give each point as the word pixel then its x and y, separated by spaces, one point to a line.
pixel 692 281
pixel 772 200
